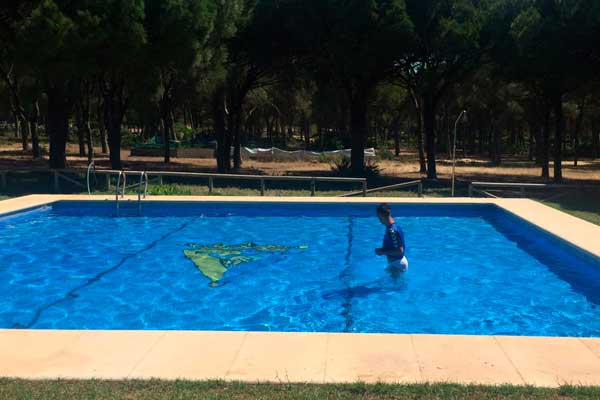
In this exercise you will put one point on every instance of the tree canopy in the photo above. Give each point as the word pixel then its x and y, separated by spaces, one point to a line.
pixel 304 73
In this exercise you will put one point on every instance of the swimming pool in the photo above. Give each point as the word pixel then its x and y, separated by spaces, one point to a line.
pixel 474 269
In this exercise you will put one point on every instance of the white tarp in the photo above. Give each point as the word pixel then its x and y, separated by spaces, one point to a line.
pixel 274 153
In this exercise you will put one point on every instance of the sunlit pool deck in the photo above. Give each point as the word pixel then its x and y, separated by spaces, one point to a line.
pixel 311 357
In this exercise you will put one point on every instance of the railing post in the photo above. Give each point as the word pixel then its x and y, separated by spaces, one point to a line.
pixel 3 180
pixel 160 181
pixel 420 189
pixel 262 187
pixel 56 183
pixel 210 184
pixel 364 188
pixel 470 190
pixel 313 187
pixel 108 182
pixel 522 191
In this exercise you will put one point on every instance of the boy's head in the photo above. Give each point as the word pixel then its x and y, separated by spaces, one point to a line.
pixel 384 212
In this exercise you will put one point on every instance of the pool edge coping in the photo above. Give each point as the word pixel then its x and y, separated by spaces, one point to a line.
pixel 311 357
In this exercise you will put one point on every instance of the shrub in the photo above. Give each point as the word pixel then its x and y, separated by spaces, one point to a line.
pixel 325 158
pixel 169 190
pixel 385 154
pixel 343 168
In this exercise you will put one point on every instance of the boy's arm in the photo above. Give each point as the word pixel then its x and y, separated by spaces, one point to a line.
pixel 391 252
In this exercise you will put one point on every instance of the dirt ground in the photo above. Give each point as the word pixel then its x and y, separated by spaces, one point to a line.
pixel 405 167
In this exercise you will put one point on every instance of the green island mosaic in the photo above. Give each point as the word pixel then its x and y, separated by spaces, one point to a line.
pixel 215 259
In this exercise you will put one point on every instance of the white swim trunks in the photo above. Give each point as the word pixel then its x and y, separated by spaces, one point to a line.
pixel 401 264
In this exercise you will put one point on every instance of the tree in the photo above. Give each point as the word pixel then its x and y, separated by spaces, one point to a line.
pixel 224 70
pixel 178 33
pixel 23 87
pixel 54 62
pixel 352 44
pixel 446 45
pixel 119 46
pixel 547 48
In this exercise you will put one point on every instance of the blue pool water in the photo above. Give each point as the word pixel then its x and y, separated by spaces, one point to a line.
pixel 473 270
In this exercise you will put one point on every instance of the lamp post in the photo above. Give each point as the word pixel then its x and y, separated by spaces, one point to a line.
pixel 454 147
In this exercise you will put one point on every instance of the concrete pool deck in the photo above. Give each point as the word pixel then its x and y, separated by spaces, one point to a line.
pixel 311 357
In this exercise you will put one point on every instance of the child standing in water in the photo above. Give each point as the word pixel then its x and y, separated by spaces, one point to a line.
pixel 393 241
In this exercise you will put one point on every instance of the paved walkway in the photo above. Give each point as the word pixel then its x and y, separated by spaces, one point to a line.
pixel 299 357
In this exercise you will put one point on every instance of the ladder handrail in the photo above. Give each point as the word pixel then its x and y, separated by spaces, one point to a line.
pixel 118 185
pixel 146 185
pixel 124 184
pixel 90 166
pixel 142 174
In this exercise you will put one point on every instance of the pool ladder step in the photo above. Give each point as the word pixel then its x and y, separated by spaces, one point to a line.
pixel 142 186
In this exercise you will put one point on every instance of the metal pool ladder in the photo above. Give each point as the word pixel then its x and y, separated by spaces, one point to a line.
pixel 143 183
pixel 91 167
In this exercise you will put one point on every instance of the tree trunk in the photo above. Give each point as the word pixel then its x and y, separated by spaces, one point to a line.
pixel 17 124
pixel 420 132
pixel 84 123
pixel 558 135
pixel 167 131
pixel 429 128
pixel 59 109
pixel 545 144
pixel 539 145
pixel 532 129
pixel 596 142
pixel 222 152
pixel 481 137
pixel 269 126
pixel 497 147
pixel 35 144
pixel 358 128
pixel 88 138
pixel 102 128
pixel 234 122
pixel 80 129
pixel 114 111
pixel 306 129
pixel 24 133
pixel 577 131
pixel 237 137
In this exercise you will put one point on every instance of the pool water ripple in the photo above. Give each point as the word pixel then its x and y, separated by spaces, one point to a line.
pixel 473 270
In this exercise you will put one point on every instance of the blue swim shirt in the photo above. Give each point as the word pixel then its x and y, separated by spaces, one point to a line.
pixel 393 239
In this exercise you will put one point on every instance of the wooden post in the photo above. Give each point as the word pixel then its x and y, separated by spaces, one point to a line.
pixel 262 187
pixel 56 183
pixel 2 180
pixel 364 188
pixel 210 184
pixel 313 187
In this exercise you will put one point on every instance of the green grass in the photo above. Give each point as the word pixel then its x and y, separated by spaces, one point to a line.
pixel 195 190
pixel 582 204
pixel 154 390
pixel 591 216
